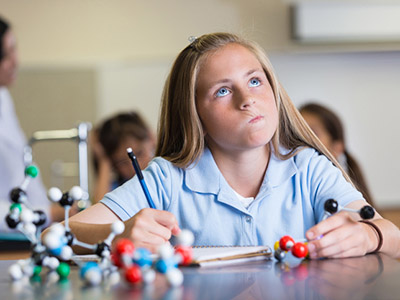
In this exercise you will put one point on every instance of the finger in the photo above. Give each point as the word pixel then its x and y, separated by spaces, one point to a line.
pixel 166 219
pixel 147 238
pixel 338 243
pixel 329 243
pixel 146 228
pixel 176 230
pixel 327 225
pixel 160 230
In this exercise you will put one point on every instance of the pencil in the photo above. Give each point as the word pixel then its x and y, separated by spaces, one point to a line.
pixel 139 173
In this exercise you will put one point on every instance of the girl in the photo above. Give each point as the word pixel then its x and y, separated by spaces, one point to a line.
pixel 109 143
pixel 237 165
pixel 329 129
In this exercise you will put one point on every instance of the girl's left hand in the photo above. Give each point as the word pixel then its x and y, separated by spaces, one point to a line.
pixel 339 236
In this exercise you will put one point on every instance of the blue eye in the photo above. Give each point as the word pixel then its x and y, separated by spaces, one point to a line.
pixel 222 92
pixel 254 82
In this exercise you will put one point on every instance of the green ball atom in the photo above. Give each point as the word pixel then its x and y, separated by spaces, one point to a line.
pixel 63 270
pixel 32 171
pixel 16 206
pixel 37 270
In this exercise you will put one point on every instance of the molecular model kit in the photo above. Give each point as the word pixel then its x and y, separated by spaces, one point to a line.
pixel 299 248
pixel 54 251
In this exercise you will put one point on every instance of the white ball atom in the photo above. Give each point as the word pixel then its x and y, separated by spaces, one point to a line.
pixel 15 272
pixel 185 238
pixel 27 216
pixel 114 278
pixel 76 192
pixel 54 194
pixel 51 262
pixel 52 240
pixel 117 227
pixel 175 277
pixel 66 253
pixel 148 275
pixel 166 251
pixel 93 276
pixel 58 229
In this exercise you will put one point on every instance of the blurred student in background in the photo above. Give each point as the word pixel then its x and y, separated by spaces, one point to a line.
pixel 329 129
pixel 12 138
pixel 109 143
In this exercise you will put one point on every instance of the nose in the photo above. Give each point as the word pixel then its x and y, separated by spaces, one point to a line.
pixel 246 100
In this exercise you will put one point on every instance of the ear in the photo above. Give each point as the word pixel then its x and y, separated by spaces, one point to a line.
pixel 337 148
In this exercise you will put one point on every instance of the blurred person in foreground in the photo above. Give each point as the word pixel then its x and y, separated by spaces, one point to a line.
pixel 13 140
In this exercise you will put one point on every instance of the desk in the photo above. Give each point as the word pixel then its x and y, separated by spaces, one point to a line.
pixel 9 255
pixel 369 277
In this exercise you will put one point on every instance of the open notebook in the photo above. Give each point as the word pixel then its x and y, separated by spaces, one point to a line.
pixel 223 255
pixel 214 255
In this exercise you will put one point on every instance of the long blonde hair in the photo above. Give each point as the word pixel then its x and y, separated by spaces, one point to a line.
pixel 180 136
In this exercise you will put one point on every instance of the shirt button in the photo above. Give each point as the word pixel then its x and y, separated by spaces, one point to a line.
pixel 248 219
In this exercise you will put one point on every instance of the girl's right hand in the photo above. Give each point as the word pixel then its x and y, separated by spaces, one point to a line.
pixel 150 228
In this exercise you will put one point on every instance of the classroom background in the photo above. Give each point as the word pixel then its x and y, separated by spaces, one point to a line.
pixel 84 60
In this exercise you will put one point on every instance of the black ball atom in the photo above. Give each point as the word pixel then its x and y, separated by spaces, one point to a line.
pixel 11 222
pixel 42 218
pixel 17 195
pixel 70 237
pixel 331 206
pixel 367 212
pixel 66 200
pixel 38 257
pixel 102 247
pixel 279 255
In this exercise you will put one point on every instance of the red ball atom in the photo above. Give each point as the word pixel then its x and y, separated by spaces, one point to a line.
pixel 286 242
pixel 300 250
pixel 186 253
pixel 133 274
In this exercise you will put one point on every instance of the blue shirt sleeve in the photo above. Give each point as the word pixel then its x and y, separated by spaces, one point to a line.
pixel 128 199
pixel 324 181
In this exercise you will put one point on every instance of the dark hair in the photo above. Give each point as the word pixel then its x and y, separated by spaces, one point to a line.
pixel 115 129
pixel 334 127
pixel 4 27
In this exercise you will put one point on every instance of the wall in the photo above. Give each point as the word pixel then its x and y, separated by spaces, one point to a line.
pixel 49 98
pixel 363 89
pixel 134 86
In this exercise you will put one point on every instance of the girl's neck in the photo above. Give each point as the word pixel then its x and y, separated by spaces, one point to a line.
pixel 243 170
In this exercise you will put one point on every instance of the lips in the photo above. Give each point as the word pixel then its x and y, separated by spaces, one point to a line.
pixel 256 119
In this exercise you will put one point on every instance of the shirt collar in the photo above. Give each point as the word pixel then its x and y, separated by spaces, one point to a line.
pixel 278 172
pixel 205 168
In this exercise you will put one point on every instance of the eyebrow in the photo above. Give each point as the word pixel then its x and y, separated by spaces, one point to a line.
pixel 228 80
pixel 253 71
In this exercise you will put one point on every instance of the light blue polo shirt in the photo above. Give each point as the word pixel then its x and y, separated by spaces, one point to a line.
pixel 289 202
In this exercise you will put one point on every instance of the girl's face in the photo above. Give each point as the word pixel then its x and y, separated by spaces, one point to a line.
pixel 9 62
pixel 235 101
